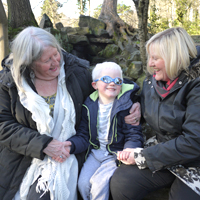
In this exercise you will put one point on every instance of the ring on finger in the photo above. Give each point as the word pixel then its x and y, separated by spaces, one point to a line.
pixel 61 157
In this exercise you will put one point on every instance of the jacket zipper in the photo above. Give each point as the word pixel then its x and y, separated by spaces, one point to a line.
pixel 90 136
pixel 114 134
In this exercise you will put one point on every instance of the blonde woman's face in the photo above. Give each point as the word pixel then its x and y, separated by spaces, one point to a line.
pixel 48 66
pixel 158 65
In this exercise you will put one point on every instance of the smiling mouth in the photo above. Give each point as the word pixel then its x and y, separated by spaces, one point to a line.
pixel 156 70
pixel 54 69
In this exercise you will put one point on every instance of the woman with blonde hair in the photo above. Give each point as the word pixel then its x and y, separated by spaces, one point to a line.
pixel 170 104
pixel 42 89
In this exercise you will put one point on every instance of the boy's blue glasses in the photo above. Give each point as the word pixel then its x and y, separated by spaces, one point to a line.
pixel 108 79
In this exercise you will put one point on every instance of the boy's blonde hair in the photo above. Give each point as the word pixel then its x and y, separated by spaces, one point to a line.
pixel 96 72
pixel 175 47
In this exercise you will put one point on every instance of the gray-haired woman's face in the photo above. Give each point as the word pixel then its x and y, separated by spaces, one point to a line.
pixel 48 66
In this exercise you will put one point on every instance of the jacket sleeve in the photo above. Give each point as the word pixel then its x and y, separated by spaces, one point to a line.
pixel 185 148
pixel 133 134
pixel 15 135
pixel 80 141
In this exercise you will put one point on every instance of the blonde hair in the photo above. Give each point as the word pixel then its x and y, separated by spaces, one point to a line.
pixel 175 47
pixel 96 72
pixel 28 47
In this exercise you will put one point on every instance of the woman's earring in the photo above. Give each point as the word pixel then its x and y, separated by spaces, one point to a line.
pixel 32 75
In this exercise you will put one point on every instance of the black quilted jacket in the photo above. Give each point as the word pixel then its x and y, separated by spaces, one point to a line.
pixel 19 139
pixel 176 121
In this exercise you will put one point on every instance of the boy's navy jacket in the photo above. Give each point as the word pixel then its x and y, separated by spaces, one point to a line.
pixel 121 135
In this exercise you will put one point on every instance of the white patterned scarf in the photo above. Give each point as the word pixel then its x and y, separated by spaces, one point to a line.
pixel 58 178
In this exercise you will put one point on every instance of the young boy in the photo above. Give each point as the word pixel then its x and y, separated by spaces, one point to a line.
pixel 103 130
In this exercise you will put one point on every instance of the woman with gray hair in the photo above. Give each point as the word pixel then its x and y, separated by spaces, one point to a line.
pixel 42 89
pixel 170 104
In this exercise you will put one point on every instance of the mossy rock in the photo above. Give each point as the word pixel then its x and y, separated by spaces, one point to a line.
pixel 134 69
pixel 96 26
pixel 53 31
pixel 135 56
pixel 94 49
pixel 109 51
pixel 140 80
pixel 12 32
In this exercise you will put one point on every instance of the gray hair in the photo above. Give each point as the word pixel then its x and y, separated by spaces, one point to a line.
pixel 96 72
pixel 28 47
pixel 175 47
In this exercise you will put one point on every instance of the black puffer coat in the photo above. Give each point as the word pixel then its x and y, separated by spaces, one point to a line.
pixel 19 139
pixel 176 121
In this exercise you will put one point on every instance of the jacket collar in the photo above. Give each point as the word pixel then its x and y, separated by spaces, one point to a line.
pixel 70 61
pixel 125 87
pixel 193 71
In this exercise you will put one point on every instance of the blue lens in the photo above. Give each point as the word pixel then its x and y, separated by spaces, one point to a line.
pixel 108 79
pixel 118 81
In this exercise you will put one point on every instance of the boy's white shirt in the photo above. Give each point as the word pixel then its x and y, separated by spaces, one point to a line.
pixel 104 123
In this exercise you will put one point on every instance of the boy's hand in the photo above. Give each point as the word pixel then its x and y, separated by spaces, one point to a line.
pixel 123 155
pixel 126 156
pixel 68 146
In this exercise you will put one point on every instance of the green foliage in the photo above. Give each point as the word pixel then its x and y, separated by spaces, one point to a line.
pixel 50 7
pixel 97 11
pixel 182 7
pixel 122 9
pixel 194 28
pixel 83 9
pixel 126 14
pixel 154 18
pixel 164 14
pixel 164 24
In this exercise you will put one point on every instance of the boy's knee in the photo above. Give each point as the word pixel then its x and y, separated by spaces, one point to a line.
pixel 83 183
pixel 84 188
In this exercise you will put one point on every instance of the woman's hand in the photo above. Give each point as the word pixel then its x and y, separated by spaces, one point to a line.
pixel 64 156
pixel 135 115
pixel 57 150
pixel 126 156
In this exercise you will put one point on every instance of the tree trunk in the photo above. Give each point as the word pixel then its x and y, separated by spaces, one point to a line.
pixel 81 7
pixel 4 50
pixel 89 6
pixel 114 23
pixel 142 13
pixel 20 14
